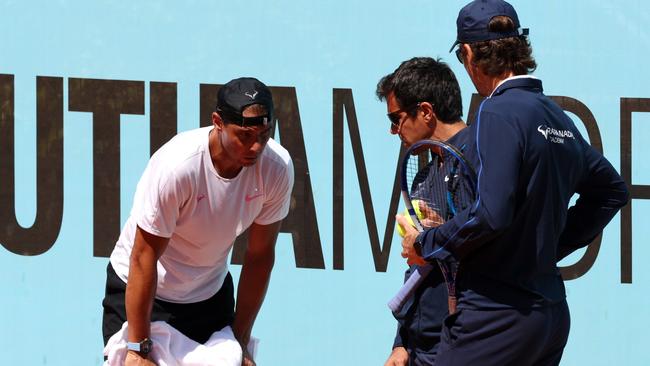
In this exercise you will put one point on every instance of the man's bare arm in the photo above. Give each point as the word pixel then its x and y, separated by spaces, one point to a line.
pixel 141 285
pixel 254 278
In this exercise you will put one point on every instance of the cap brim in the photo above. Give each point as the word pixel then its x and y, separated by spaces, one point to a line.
pixel 454 45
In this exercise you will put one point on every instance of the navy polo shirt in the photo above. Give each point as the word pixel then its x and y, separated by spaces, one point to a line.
pixel 530 160
pixel 420 319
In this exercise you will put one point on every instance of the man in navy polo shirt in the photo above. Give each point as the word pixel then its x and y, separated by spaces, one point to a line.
pixel 423 102
pixel 530 160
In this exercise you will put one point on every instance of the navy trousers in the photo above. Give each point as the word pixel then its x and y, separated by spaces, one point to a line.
pixel 534 337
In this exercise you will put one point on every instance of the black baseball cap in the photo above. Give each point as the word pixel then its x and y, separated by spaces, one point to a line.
pixel 474 18
pixel 238 94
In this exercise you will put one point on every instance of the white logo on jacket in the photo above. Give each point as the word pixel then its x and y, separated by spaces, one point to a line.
pixel 553 135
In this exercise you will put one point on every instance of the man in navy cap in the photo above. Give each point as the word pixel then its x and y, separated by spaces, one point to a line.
pixel 530 160
pixel 200 191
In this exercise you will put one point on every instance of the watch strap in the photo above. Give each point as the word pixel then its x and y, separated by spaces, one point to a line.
pixel 144 346
pixel 417 245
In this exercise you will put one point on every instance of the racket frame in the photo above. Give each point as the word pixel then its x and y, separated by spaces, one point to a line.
pixel 416 278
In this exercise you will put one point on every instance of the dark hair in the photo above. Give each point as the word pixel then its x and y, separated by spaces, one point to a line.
pixel 423 79
pixel 506 54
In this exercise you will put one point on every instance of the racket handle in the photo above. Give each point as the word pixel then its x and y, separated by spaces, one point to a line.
pixel 451 303
pixel 408 288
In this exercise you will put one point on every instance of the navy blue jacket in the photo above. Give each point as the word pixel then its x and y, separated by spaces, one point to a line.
pixel 530 160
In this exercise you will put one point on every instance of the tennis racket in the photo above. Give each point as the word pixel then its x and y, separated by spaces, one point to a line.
pixel 437 178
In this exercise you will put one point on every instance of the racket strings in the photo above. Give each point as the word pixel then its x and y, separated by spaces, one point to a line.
pixel 423 174
pixel 440 178
pixel 437 181
pixel 440 182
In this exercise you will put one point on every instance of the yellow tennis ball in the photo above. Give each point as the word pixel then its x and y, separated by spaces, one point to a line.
pixel 416 207
pixel 400 230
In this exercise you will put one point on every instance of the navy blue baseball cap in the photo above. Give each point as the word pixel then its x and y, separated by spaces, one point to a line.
pixel 474 18
pixel 237 94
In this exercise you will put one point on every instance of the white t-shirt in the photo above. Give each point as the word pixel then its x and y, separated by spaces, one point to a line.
pixel 182 197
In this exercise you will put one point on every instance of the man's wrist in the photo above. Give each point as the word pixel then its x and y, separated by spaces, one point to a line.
pixel 244 346
pixel 240 334
pixel 142 348
pixel 417 244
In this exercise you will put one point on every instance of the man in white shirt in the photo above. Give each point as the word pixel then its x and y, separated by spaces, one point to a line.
pixel 198 193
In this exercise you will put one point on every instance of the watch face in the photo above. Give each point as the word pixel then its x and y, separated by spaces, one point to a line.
pixel 146 346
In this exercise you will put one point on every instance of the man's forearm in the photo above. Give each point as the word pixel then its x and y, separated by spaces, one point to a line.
pixel 253 283
pixel 602 195
pixel 141 285
pixel 140 291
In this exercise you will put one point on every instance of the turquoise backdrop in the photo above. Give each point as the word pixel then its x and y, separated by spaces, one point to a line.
pixel 595 51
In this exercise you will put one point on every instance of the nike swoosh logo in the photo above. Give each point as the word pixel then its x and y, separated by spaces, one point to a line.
pixel 447 177
pixel 250 198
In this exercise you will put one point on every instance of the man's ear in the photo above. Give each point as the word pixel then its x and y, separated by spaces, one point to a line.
pixel 468 54
pixel 428 112
pixel 217 122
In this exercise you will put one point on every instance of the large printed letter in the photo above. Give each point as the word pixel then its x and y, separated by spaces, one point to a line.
pixel 629 105
pixel 343 99
pixel 162 114
pixel 106 100
pixel 40 237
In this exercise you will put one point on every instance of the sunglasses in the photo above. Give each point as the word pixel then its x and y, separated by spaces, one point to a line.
pixel 395 119
pixel 459 53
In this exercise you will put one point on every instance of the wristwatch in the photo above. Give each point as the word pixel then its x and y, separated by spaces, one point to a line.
pixel 417 245
pixel 143 347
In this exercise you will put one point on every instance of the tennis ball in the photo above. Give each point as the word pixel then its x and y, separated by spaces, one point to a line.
pixel 400 230
pixel 416 207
